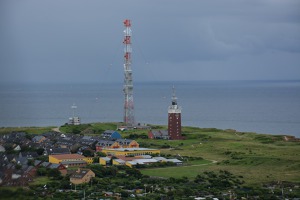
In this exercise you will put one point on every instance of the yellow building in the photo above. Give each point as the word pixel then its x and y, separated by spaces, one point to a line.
pixel 70 159
pixel 130 151
pixel 104 161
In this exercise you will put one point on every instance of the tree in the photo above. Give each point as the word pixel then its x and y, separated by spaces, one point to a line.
pixel 30 162
pixel 40 151
pixel 42 171
pixel 96 160
pixel 101 154
pixel 87 153
pixel 18 166
pixel 54 173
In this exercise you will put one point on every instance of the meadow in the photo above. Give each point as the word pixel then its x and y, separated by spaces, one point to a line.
pixel 258 158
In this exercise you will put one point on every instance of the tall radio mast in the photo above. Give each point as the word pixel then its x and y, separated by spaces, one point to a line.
pixel 128 84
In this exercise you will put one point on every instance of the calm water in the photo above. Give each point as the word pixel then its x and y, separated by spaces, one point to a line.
pixel 252 106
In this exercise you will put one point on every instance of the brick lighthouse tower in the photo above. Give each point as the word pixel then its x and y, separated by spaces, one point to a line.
pixel 174 119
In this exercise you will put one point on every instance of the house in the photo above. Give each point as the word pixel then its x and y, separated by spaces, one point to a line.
pixel 104 161
pixel 48 165
pixel 126 143
pixel 60 167
pixel 158 134
pixel 82 176
pixel 37 163
pixel 89 140
pixel 106 144
pixel 119 143
pixel 2 149
pixel 51 134
pixel 45 164
pixel 29 155
pixel 30 172
pixel 110 134
pixel 69 160
pixel 38 139
pixel 66 142
pixel 17 148
pixel 22 161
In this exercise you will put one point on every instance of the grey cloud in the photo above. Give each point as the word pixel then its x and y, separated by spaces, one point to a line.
pixel 182 40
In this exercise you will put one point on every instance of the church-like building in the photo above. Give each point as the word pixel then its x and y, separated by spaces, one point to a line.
pixel 174 119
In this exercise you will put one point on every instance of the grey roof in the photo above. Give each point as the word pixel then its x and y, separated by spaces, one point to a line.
pixel 29 154
pixel 37 138
pixel 80 174
pixel 105 158
pixel 86 137
pixel 54 150
pixel 109 132
pixel 29 169
pixel 53 166
pixel 174 160
pixel 105 142
pixel 160 134
pixel 160 158
pixel 45 164
pixel 124 141
pixel 37 162
pixel 2 149
pixel 120 161
pixel 22 161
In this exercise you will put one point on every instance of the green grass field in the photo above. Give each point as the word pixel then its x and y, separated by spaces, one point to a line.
pixel 30 130
pixel 42 180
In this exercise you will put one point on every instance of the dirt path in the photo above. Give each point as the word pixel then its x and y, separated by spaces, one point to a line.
pixel 56 129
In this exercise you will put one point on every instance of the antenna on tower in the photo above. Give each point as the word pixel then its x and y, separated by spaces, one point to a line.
pixel 128 83
pixel 73 109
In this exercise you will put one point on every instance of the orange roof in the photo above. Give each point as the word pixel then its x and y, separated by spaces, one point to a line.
pixel 67 156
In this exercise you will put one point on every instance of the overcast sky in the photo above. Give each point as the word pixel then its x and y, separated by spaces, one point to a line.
pixel 77 40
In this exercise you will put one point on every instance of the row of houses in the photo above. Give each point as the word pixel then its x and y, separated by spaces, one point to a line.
pixel 49 140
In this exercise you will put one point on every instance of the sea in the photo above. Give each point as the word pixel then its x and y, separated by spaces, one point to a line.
pixel 271 107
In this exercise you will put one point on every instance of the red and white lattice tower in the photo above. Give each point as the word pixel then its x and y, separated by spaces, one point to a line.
pixel 128 84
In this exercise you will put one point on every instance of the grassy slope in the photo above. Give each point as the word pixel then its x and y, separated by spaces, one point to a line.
pixel 258 158
pixel 30 130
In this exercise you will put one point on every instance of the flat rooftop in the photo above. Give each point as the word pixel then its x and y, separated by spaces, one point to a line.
pixel 131 149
